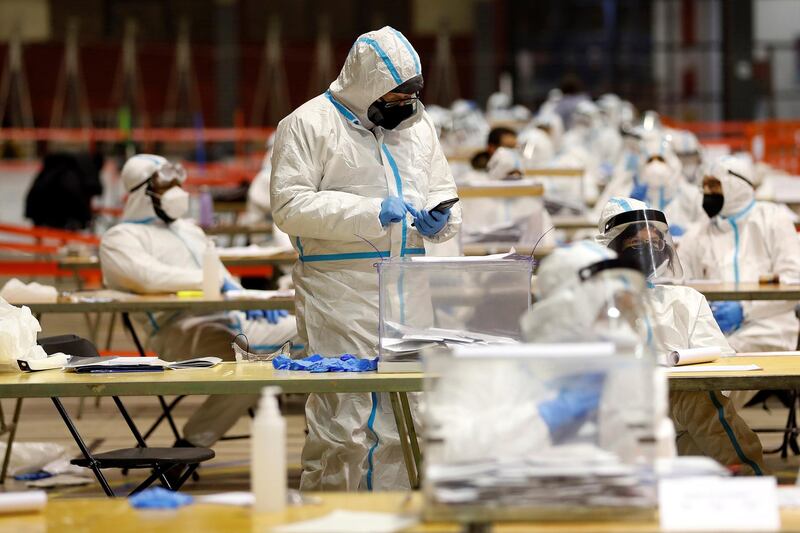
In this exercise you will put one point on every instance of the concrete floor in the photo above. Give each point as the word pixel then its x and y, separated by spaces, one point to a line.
pixel 103 428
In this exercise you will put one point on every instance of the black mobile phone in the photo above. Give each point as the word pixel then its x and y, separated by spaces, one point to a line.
pixel 441 207
pixel 444 205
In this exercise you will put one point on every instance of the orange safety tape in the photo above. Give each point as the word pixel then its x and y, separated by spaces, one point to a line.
pixel 137 134
pixel 49 233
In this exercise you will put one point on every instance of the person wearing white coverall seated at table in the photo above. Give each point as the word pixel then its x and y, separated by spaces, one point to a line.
pixel 351 170
pixel 528 214
pixel 585 293
pixel 744 240
pixel 666 189
pixel 154 250
pixel 706 423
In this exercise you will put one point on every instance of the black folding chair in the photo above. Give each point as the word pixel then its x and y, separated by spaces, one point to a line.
pixel 160 461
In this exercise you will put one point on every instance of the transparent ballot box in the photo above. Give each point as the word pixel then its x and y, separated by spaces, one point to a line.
pixel 538 432
pixel 449 301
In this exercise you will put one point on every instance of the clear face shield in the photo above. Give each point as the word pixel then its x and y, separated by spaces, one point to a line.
pixel 642 238
pixel 613 292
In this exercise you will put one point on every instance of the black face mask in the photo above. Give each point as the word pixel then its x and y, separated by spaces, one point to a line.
pixel 647 260
pixel 712 204
pixel 389 117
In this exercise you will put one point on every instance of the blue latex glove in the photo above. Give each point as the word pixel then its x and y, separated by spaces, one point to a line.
pixel 271 315
pixel 392 210
pixel 676 231
pixel 228 285
pixel 316 363
pixel 159 498
pixel 729 315
pixel 639 192
pixel 577 399
pixel 428 223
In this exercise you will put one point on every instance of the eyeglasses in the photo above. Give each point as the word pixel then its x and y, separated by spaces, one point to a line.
pixel 640 245
pixel 398 103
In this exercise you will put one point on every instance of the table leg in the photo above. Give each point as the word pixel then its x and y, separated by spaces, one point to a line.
pixel 12 432
pixel 405 444
pixel 412 432
pixel 83 448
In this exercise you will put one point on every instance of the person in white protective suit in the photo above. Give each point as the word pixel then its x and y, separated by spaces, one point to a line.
pixel 525 220
pixel 154 250
pixel 351 169
pixel 744 240
pixel 536 145
pixel 257 210
pixel 551 124
pixel 585 293
pixel 585 127
pixel 690 153
pixel 706 422
pixel 608 143
pixel 666 188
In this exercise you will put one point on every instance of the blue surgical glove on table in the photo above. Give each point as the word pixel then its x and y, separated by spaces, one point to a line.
pixel 271 315
pixel 429 223
pixel 577 398
pixel 317 363
pixel 392 210
pixel 639 192
pixel 729 315
pixel 229 285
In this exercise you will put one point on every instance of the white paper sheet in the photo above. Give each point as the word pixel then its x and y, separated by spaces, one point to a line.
pixel 236 499
pixel 460 259
pixel 22 502
pixel 713 368
pixel 719 504
pixel 341 521
pixel 691 356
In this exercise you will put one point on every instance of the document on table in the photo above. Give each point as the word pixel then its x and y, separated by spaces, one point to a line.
pixel 713 368
pixel 719 504
pixel 123 364
pixel 252 294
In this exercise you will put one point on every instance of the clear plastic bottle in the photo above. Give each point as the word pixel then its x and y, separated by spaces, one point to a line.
pixel 211 271
pixel 268 454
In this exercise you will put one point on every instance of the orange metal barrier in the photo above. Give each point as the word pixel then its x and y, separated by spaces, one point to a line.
pixel 778 141
pixel 92 135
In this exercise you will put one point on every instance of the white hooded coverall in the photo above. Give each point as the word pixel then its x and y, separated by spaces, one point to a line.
pixel 706 423
pixel 745 240
pixel 332 169
pixel 144 255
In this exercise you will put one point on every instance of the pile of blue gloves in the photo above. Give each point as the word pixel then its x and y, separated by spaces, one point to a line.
pixel 729 315
pixel 270 315
pixel 428 223
pixel 317 363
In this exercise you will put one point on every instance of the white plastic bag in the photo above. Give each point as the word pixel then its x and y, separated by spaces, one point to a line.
pixel 30 457
pixel 18 329
pixel 16 291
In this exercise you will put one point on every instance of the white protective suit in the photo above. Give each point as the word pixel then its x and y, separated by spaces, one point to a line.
pixel 690 152
pixel 583 295
pixel 484 216
pixel 144 255
pixel 706 423
pixel 746 240
pixel 668 191
pixel 332 169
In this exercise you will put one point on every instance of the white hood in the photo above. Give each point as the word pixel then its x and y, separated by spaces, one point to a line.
pixel 136 171
pixel 378 62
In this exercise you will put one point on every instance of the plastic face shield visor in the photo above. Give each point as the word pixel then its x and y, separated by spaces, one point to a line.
pixel 642 238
